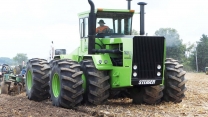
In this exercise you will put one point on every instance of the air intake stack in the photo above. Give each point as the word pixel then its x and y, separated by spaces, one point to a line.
pixel 129 4
pixel 91 28
pixel 142 32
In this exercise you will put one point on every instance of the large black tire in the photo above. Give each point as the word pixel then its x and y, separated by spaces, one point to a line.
pixel 51 63
pixel 37 78
pixel 97 83
pixel 147 95
pixel 174 81
pixel 137 95
pixel 69 76
pixel 153 94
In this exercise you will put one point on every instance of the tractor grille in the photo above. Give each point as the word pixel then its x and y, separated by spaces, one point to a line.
pixel 148 53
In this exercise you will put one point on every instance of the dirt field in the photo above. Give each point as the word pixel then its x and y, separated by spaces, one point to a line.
pixel 195 104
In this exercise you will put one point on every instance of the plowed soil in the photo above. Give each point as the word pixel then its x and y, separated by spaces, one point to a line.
pixel 194 104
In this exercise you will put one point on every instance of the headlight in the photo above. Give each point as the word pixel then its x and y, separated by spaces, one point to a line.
pixel 135 67
pixel 100 61
pixel 135 74
pixel 158 66
pixel 158 74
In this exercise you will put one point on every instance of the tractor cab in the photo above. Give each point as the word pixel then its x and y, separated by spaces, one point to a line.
pixel 55 53
pixel 59 52
pixel 119 22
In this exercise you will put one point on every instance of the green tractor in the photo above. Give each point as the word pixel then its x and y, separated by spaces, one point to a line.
pixel 206 70
pixel 10 82
pixel 55 53
pixel 108 65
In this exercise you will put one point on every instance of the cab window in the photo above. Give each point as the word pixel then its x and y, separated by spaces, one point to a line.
pixel 83 27
pixel 118 22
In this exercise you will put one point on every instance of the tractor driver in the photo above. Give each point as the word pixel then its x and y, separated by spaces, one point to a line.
pixel 102 28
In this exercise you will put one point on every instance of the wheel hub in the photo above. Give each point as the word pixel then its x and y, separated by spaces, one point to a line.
pixel 56 85
pixel 29 80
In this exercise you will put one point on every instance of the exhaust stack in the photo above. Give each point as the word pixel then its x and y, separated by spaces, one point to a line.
pixel 129 4
pixel 142 32
pixel 91 28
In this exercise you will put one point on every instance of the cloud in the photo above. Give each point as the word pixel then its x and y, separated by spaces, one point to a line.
pixel 63 35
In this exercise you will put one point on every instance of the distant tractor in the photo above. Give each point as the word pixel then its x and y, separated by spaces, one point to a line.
pixel 206 70
pixel 10 82
pixel 108 65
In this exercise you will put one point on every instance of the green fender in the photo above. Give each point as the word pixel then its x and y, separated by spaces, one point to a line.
pixel 68 56
pixel 102 61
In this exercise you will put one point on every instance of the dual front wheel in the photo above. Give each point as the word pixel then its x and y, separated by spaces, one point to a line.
pixel 172 91
pixel 66 84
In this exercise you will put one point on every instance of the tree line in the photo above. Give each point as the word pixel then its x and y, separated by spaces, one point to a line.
pixel 17 60
pixel 192 55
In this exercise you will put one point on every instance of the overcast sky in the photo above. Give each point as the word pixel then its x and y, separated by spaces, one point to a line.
pixel 29 26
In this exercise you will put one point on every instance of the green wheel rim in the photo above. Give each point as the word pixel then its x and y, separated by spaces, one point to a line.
pixel 29 80
pixel 56 85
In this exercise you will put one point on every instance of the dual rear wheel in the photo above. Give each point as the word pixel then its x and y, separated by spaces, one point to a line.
pixel 62 81
pixel 37 79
